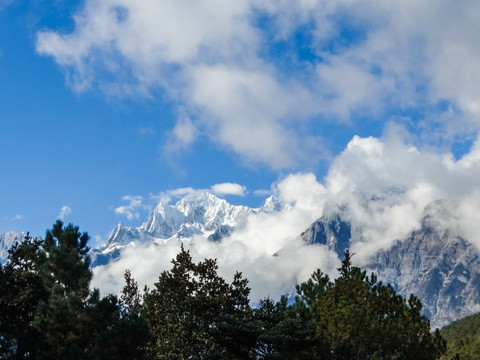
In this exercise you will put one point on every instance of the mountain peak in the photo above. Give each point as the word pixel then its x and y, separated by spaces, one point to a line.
pixel 273 204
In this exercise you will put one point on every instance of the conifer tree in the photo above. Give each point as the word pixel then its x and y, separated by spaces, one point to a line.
pixel 281 333
pixel 358 317
pixel 188 305
pixel 21 290
pixel 62 318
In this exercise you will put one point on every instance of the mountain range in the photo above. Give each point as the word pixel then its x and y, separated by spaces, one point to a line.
pixel 435 262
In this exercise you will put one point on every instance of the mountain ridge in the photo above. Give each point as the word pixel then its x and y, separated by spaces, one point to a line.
pixel 436 262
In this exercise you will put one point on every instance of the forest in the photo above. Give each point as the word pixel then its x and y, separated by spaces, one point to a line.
pixel 48 310
pixel 463 338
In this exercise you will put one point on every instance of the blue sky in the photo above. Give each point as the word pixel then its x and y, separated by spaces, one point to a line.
pixel 113 104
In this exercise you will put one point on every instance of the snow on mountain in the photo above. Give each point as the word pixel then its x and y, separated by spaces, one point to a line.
pixel 436 261
pixel 197 214
pixel 6 241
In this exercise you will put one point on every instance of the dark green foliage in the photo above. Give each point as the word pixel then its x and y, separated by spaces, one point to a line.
pixel 357 317
pixel 187 307
pixel 282 334
pixel 21 289
pixel 63 317
pixel 463 339
pixel 468 326
pixel 118 335
pixel 47 310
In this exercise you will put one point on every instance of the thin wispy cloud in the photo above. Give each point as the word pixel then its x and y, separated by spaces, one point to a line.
pixel 146 131
pixel 17 217
pixel 64 211
pixel 133 208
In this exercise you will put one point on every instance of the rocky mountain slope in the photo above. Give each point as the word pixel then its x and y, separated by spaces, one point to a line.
pixel 6 241
pixel 434 262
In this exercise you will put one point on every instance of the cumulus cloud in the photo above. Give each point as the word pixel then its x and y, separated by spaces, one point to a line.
pixel 382 186
pixel 228 189
pixel 132 210
pixel 64 211
pixel 215 61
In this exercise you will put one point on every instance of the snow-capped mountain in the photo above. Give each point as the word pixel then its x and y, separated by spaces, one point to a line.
pixel 195 214
pixel 434 262
pixel 198 214
pixel 6 241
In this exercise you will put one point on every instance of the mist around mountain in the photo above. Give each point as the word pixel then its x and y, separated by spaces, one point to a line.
pixel 411 217
pixel 48 310
pixel 434 261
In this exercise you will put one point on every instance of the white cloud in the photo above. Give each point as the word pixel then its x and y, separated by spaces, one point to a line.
pixel 262 192
pixel 64 211
pixel 16 218
pixel 381 185
pixel 146 131
pixel 132 210
pixel 182 135
pixel 251 112
pixel 181 191
pixel 228 189
pixel 210 57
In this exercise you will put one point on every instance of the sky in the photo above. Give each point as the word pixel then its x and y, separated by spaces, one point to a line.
pixel 108 106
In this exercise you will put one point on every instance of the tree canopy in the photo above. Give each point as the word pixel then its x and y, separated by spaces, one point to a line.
pixel 48 310
pixel 188 305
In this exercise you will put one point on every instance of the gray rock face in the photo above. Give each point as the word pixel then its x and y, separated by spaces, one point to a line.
pixel 331 231
pixel 440 267
pixel 6 241
pixel 435 263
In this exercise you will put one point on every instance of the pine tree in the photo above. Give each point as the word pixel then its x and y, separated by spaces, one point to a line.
pixel 188 305
pixel 281 333
pixel 21 290
pixel 127 335
pixel 63 318
pixel 358 317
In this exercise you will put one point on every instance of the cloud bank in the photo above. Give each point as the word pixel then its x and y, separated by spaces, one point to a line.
pixel 264 78
pixel 381 185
